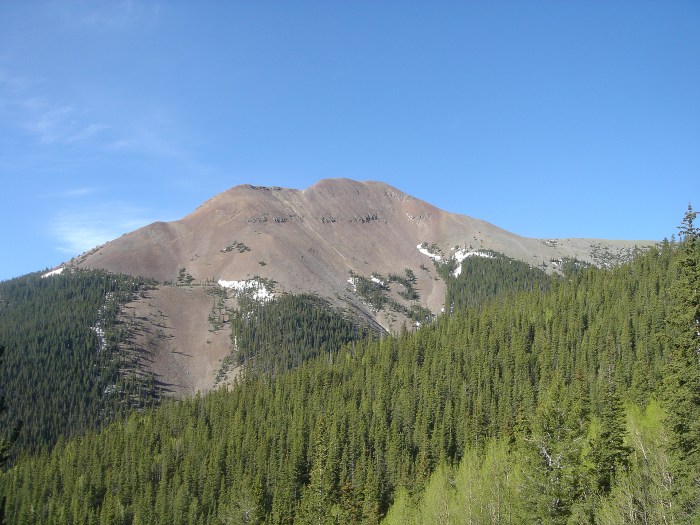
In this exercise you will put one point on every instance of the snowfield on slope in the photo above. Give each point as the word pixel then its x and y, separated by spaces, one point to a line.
pixel 425 251
pixel 57 271
pixel 258 289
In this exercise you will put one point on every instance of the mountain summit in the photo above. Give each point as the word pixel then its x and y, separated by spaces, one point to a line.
pixel 310 240
pixel 330 240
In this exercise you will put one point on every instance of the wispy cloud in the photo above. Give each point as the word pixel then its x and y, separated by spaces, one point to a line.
pixel 118 15
pixel 56 194
pixel 115 15
pixel 13 83
pixel 152 131
pixel 158 135
pixel 148 141
pixel 84 132
pixel 78 231
pixel 56 123
pixel 26 106
pixel 78 192
pixel 58 129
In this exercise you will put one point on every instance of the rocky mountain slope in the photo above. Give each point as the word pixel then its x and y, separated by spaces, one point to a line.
pixel 328 239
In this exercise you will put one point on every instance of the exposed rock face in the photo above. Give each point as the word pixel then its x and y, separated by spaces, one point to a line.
pixel 312 240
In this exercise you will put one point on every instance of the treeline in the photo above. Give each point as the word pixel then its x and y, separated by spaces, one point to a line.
pixel 523 396
pixel 63 371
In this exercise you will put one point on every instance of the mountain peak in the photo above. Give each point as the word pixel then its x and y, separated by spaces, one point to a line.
pixel 310 240
pixel 333 239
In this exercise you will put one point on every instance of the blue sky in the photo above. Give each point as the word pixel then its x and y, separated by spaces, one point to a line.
pixel 547 118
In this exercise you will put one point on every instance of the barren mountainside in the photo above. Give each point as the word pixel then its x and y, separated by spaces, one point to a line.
pixel 270 240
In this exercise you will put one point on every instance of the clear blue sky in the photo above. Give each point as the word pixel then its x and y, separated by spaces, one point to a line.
pixel 547 118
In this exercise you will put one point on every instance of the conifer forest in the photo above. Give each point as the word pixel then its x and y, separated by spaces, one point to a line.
pixel 569 398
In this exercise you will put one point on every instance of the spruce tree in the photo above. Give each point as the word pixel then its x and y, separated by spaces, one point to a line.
pixel 319 494
pixel 552 458
pixel 608 453
pixel 682 383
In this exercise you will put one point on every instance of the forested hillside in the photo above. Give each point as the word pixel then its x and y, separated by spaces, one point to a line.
pixel 573 402
pixel 492 275
pixel 275 336
pixel 63 371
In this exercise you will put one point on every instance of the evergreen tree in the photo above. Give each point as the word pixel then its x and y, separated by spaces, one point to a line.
pixel 608 453
pixel 682 386
pixel 642 492
pixel 319 495
pixel 6 443
pixel 552 458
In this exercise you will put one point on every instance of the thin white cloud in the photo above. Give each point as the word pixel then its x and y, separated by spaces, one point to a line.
pixel 43 117
pixel 78 231
pixel 47 123
pixel 58 123
pixel 75 131
pixel 112 15
pixel 84 133
pixel 156 133
pixel 13 83
pixel 78 192
pixel 116 15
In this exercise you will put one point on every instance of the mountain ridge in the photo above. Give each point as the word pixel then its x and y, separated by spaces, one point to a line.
pixel 322 213
pixel 332 239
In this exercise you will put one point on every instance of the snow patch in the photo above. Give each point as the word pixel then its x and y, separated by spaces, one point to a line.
pixel 99 331
pixel 57 271
pixel 425 251
pixel 251 286
pixel 100 336
pixel 460 255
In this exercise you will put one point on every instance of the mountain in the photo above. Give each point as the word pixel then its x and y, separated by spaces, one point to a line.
pixel 564 397
pixel 370 249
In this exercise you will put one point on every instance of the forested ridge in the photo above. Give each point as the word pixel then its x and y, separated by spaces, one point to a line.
pixel 492 275
pixel 575 401
pixel 275 336
pixel 63 371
